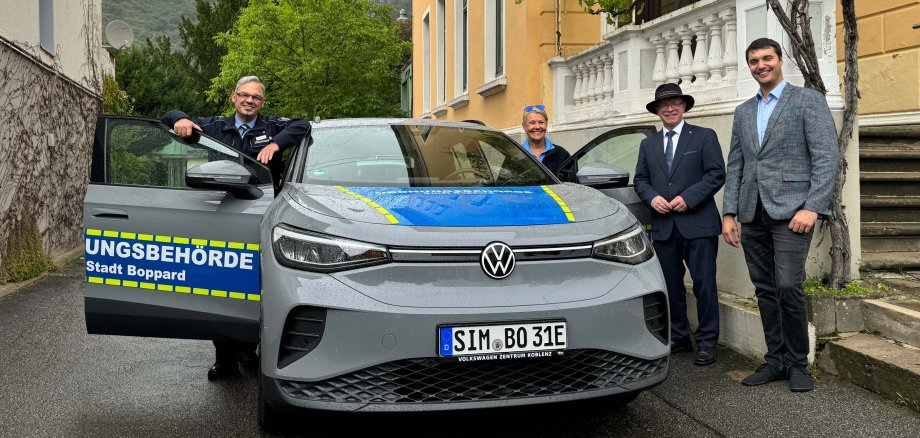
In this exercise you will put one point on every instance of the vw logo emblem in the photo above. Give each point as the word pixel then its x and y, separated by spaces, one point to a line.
pixel 497 260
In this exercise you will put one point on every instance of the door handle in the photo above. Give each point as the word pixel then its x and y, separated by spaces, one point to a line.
pixel 109 213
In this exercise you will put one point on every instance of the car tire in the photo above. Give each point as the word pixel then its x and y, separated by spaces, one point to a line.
pixel 270 419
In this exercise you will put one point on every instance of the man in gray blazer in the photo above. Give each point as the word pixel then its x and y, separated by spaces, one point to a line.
pixel 781 167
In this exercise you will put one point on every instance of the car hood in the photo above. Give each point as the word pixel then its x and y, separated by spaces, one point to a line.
pixel 456 206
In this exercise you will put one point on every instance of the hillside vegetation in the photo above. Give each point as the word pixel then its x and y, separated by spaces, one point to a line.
pixel 152 18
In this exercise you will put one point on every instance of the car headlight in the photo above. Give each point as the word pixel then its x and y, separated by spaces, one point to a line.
pixel 630 246
pixel 301 249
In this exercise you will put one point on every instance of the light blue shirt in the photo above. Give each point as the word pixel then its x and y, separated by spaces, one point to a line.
pixel 549 146
pixel 674 138
pixel 237 122
pixel 765 108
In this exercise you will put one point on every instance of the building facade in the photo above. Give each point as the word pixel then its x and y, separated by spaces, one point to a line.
pixel 599 76
pixel 889 61
pixel 51 64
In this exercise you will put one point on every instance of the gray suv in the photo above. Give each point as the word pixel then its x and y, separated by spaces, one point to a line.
pixel 405 265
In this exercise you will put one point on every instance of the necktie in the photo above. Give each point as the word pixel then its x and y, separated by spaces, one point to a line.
pixel 243 128
pixel 669 150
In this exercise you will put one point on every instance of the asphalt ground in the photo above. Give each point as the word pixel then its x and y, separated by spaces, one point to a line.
pixel 55 380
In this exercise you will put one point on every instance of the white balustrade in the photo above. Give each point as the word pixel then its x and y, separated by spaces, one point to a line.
pixel 700 70
pixel 715 62
pixel 695 47
pixel 730 59
pixel 684 68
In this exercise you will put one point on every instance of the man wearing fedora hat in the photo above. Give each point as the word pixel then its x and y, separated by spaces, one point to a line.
pixel 680 169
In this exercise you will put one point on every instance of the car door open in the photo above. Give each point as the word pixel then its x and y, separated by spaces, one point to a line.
pixel 164 259
pixel 618 148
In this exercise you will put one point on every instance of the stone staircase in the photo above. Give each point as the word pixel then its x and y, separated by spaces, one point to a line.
pixel 889 175
pixel 871 342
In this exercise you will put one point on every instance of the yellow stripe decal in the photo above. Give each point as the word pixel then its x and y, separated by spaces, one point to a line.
pixel 164 239
pixel 147 237
pixel 252 246
pixel 565 208
pixel 236 245
pixel 110 233
pixel 93 232
pixel 199 242
pixel 380 209
pixel 218 244
pixel 180 240
pixel 178 289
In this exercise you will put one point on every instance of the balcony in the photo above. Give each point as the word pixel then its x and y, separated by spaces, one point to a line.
pixel 696 47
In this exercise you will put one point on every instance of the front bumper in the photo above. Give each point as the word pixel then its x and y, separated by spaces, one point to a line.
pixel 376 356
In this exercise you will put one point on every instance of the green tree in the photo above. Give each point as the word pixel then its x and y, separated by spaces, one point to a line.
pixel 159 79
pixel 197 39
pixel 114 99
pixel 327 58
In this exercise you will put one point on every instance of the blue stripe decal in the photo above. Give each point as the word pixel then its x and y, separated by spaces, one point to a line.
pixel 467 206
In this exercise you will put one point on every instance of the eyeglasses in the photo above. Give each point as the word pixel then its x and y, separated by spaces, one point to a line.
pixel 675 105
pixel 245 96
pixel 530 108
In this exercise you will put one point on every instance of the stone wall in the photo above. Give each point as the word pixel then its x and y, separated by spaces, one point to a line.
pixel 45 147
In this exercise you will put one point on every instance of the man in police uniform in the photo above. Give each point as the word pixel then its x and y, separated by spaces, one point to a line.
pixel 261 137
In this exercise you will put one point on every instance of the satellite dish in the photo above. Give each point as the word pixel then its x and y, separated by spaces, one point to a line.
pixel 119 34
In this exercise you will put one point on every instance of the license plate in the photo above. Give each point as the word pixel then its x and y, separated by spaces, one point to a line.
pixel 501 341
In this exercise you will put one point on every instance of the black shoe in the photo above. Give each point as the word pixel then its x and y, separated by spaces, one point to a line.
pixel 764 374
pixel 222 371
pixel 705 356
pixel 800 380
pixel 249 362
pixel 681 347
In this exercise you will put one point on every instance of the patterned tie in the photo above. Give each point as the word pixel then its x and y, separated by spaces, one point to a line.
pixel 243 128
pixel 669 150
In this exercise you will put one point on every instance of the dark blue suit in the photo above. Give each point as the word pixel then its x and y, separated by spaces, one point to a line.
pixel 697 173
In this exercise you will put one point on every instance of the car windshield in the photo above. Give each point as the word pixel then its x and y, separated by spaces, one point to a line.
pixel 418 156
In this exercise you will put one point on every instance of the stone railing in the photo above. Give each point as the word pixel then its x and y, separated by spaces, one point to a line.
pixel 696 47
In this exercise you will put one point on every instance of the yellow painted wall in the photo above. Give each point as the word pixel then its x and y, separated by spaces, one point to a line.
pixel 889 55
pixel 530 41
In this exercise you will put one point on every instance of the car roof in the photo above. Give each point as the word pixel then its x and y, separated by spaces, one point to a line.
pixel 339 123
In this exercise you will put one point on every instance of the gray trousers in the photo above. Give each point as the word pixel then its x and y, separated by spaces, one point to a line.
pixel 776 262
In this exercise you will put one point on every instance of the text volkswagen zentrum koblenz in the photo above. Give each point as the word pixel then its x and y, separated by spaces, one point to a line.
pixel 405 265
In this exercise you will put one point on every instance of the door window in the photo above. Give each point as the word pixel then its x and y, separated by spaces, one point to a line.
pixel 147 153
pixel 621 151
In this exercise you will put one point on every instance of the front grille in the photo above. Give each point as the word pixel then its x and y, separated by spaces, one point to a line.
pixel 656 315
pixel 302 332
pixel 418 381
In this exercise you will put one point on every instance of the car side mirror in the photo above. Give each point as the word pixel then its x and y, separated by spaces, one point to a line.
pixel 602 176
pixel 223 175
